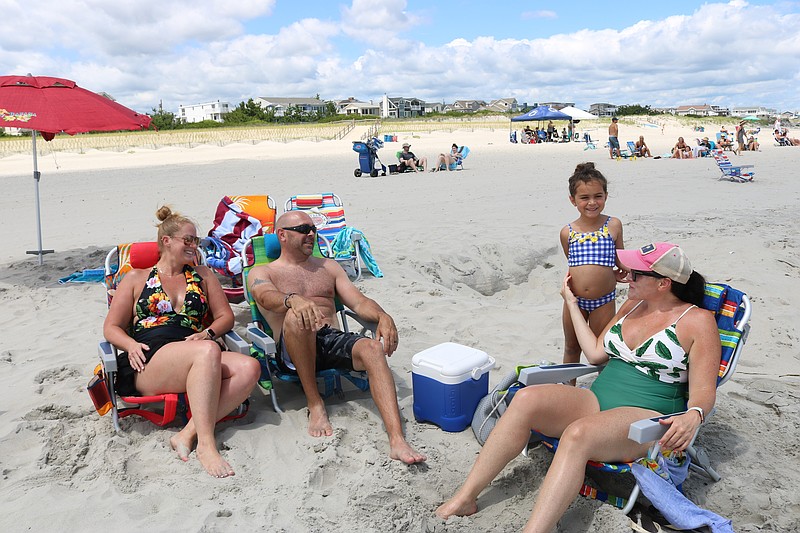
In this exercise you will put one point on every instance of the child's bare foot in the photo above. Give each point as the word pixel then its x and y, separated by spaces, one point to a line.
pixel 454 507
pixel 182 446
pixel 213 462
pixel 402 451
pixel 318 423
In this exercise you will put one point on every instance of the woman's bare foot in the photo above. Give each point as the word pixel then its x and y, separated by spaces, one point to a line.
pixel 318 423
pixel 454 507
pixel 182 446
pixel 402 451
pixel 213 462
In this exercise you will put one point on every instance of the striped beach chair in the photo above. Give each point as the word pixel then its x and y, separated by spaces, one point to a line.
pixel 739 173
pixel 327 212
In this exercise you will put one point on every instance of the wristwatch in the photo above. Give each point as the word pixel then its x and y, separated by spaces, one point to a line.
pixel 210 334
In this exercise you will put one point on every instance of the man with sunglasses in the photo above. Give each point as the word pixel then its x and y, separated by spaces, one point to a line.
pixel 296 293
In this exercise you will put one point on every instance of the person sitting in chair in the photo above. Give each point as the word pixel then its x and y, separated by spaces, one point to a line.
pixel 641 148
pixel 681 150
pixel 296 296
pixel 681 353
pixel 448 161
pixel 169 350
pixel 752 144
pixel 725 143
pixel 408 161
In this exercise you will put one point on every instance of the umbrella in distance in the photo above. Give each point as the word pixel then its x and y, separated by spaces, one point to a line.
pixel 56 105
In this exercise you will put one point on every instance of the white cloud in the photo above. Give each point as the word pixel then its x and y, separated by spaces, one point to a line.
pixel 192 51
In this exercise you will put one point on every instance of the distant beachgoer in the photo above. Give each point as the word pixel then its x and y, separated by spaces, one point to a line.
pixel 409 161
pixel 613 138
pixel 641 148
pixel 740 138
pixel 681 150
pixel 448 161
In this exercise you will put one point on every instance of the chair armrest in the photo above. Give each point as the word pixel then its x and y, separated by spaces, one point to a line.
pixel 539 375
pixel 235 343
pixel 107 356
pixel 649 429
pixel 260 340
pixel 366 325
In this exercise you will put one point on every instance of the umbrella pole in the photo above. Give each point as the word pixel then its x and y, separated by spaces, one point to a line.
pixel 36 177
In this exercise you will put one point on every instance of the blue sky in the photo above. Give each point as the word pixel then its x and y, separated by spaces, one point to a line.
pixel 191 51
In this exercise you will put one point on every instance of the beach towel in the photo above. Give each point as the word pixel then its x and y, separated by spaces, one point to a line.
pixel 233 226
pixel 656 481
pixel 344 248
pixel 89 275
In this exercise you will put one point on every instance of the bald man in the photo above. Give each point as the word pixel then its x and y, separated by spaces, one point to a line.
pixel 296 295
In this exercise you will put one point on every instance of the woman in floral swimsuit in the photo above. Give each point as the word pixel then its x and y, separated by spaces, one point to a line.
pixel 169 350
pixel 659 345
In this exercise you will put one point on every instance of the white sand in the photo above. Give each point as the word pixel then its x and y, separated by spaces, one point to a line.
pixel 470 257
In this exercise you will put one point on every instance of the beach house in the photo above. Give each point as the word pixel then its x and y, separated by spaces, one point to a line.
pixel 206 111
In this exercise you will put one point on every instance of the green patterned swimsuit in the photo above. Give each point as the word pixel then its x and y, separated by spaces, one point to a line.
pixel 654 375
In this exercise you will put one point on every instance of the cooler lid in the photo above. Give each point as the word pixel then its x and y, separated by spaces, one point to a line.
pixel 451 359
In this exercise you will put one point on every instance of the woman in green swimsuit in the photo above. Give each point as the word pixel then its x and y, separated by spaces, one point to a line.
pixel 659 345
pixel 170 350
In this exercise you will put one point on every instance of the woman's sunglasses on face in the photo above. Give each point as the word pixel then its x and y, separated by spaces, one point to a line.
pixel 637 273
pixel 305 229
pixel 189 240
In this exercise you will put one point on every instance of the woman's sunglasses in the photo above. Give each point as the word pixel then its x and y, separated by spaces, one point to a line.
pixel 305 229
pixel 636 273
pixel 189 240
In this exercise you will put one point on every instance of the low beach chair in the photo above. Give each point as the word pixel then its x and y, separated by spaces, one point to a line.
pixel 119 261
pixel 462 154
pixel 237 219
pixel 739 174
pixel 732 310
pixel 590 144
pixel 262 250
pixel 327 212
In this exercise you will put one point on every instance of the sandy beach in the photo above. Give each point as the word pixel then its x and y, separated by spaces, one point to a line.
pixel 470 257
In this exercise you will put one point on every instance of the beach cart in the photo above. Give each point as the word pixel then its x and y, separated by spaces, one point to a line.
pixel 368 157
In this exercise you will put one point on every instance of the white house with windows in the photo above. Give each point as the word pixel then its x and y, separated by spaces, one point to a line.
pixel 758 111
pixel 402 107
pixel 207 111
pixel 603 109
pixel 280 105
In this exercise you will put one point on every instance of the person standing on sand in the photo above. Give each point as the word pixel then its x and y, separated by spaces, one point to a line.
pixel 295 293
pixel 613 138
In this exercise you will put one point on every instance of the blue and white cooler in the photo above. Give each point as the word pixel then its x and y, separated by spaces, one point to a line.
pixel 449 380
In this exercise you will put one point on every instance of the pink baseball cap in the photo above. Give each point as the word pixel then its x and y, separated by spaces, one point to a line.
pixel 663 258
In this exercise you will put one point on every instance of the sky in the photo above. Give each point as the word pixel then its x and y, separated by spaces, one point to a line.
pixel 147 53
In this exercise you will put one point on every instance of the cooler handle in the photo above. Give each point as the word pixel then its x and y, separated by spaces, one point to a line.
pixel 480 371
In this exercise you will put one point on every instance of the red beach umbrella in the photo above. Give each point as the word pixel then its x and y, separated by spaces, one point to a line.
pixel 56 105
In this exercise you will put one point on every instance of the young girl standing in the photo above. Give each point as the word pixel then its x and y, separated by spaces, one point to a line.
pixel 590 244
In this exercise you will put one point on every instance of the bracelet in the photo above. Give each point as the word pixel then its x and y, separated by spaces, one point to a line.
pixel 210 333
pixel 286 300
pixel 699 410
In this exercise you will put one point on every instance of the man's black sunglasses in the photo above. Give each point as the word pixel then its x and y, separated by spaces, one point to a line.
pixel 636 273
pixel 302 228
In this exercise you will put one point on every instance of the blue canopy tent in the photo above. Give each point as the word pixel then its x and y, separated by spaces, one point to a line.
pixel 542 113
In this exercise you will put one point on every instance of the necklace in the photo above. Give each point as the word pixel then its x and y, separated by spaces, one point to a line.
pixel 161 271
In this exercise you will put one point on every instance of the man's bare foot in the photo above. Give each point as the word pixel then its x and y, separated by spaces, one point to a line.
pixel 318 423
pixel 182 446
pixel 454 507
pixel 213 462
pixel 402 451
